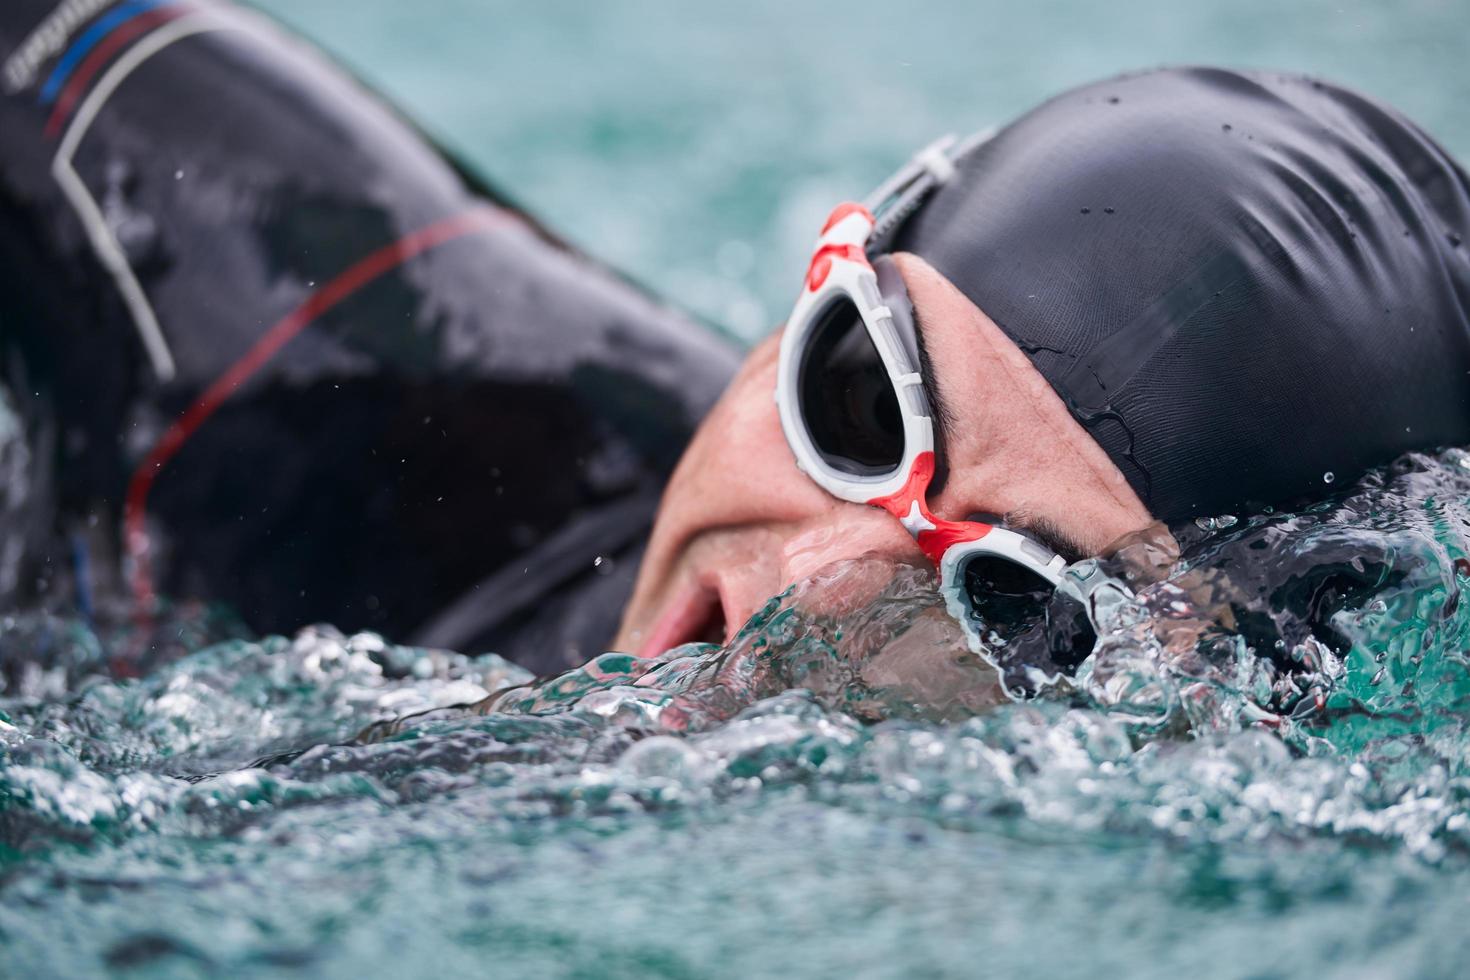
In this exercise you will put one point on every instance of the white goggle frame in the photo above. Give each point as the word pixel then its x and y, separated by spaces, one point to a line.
pixel 840 272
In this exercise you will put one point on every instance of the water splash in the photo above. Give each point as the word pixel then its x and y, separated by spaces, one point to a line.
pixel 1266 750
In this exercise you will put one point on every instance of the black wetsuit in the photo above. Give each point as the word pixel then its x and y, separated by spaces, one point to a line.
pixel 428 417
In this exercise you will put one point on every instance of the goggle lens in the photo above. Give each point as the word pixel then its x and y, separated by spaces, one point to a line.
pixel 847 401
pixel 1006 600
pixel 1025 624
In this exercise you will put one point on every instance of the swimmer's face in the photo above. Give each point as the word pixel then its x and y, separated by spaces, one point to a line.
pixel 739 522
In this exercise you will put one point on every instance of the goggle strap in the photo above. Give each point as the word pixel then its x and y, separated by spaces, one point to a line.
pixel 899 196
pixel 913 171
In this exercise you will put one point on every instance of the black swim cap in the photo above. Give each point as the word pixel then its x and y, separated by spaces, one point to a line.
pixel 1238 282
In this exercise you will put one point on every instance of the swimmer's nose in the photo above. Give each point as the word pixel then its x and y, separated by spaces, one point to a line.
pixel 842 532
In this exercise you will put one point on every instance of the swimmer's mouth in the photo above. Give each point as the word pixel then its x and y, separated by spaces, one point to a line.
pixel 696 615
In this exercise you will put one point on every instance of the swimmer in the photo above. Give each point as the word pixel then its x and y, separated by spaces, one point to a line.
pixel 265 345
pixel 1170 295
pixel 262 344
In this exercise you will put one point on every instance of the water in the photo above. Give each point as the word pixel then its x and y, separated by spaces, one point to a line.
pixel 842 789
pixel 845 789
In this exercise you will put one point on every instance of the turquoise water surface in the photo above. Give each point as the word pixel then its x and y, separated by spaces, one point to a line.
pixel 832 794
pixel 829 795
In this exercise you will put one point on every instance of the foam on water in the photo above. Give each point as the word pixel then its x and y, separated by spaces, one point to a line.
pixel 1263 769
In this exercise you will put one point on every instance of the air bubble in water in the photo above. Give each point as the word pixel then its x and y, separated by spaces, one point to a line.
pixel 1328 477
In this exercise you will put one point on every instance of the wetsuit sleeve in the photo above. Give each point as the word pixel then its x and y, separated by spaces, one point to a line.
pixel 272 349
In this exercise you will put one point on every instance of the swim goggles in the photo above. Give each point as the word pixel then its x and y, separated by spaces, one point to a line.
pixel 854 411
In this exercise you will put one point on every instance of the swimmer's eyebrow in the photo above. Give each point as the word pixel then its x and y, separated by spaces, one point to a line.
pixel 1052 536
pixel 944 418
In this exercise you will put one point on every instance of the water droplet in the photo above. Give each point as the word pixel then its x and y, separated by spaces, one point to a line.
pixel 178 175
pixel 1087 210
pixel 1215 523
pixel 1306 706
pixel 1328 477
pixel 1109 211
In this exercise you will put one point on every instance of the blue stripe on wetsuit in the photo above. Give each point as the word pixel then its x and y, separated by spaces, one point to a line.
pixel 89 40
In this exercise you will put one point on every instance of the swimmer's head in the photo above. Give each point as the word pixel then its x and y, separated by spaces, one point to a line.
pixel 1238 283
pixel 1173 294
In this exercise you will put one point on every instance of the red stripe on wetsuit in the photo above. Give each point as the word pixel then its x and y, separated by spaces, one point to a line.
pixel 343 286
